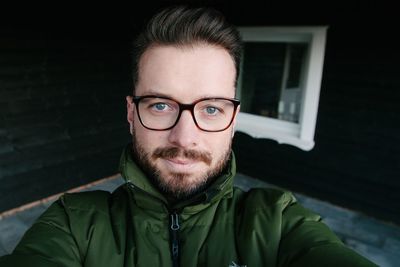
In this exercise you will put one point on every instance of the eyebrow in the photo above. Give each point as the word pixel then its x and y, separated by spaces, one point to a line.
pixel 157 93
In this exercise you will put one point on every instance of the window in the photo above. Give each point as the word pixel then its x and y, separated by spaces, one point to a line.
pixel 279 83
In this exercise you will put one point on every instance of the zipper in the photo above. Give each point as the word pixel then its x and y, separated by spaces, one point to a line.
pixel 174 229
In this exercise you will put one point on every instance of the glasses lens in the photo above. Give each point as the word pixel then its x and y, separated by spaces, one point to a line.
pixel 214 114
pixel 158 113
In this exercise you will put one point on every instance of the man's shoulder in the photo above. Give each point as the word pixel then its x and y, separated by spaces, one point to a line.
pixel 96 200
pixel 84 199
pixel 267 197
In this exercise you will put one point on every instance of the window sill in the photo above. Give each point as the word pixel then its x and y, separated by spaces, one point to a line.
pixel 281 131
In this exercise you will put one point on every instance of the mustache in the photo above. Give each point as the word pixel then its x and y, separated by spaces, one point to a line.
pixel 173 152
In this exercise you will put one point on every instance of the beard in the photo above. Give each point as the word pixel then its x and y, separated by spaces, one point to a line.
pixel 178 186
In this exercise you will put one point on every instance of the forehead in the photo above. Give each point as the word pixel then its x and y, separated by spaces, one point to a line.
pixel 186 73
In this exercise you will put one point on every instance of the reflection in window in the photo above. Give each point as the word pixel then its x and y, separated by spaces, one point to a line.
pixel 272 76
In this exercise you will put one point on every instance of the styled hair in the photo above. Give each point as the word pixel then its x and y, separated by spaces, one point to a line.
pixel 184 26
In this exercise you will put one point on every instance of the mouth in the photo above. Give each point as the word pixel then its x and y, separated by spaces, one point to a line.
pixel 181 165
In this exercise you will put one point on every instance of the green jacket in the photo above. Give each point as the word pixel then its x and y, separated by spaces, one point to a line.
pixel 224 226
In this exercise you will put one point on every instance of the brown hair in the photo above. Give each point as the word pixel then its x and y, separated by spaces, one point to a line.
pixel 181 26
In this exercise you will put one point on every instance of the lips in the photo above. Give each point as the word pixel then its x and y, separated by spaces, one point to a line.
pixel 181 161
pixel 180 165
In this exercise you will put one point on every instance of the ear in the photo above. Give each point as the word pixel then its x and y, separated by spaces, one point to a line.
pixel 130 112
pixel 234 121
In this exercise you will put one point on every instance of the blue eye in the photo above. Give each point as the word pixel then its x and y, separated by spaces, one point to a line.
pixel 211 110
pixel 160 106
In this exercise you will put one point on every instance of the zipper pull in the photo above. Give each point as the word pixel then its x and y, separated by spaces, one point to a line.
pixel 174 222
pixel 175 239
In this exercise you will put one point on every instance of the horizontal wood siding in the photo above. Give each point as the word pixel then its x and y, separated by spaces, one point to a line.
pixel 62 106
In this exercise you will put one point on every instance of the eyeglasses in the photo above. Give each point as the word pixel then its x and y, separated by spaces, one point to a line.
pixel 162 113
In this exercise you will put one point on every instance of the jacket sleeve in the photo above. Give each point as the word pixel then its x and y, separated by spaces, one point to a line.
pixel 48 243
pixel 307 241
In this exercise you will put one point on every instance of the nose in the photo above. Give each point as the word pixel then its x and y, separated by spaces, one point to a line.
pixel 185 134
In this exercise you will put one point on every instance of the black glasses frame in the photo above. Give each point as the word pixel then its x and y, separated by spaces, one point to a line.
pixel 182 107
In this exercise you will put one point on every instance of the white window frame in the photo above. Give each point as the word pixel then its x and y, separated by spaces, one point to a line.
pixel 299 134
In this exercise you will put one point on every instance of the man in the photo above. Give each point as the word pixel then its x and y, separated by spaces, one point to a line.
pixel 179 207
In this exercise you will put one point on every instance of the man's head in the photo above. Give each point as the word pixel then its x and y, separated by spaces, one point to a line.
pixel 181 26
pixel 185 56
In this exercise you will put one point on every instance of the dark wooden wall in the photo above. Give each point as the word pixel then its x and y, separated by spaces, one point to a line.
pixel 62 107
pixel 64 75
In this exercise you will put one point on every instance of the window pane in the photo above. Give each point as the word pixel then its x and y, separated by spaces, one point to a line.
pixel 272 79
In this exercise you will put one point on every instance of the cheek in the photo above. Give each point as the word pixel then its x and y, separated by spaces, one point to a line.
pixel 149 140
pixel 220 143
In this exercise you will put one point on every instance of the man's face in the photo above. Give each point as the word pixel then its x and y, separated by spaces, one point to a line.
pixel 183 160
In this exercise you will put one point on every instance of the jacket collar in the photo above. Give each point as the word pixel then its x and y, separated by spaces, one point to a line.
pixel 133 175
